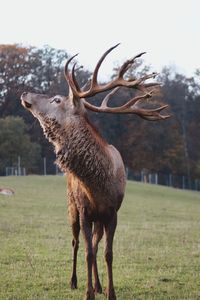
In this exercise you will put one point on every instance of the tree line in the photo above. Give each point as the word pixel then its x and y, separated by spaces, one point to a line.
pixel 171 146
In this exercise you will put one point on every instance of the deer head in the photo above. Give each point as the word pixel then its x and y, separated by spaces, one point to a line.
pixel 62 108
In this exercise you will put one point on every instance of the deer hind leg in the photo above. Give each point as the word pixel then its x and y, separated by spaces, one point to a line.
pixel 86 228
pixel 109 235
pixel 97 236
pixel 75 246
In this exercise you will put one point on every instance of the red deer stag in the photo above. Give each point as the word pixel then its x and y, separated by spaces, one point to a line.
pixel 96 175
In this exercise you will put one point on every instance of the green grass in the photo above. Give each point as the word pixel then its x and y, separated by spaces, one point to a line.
pixel 156 247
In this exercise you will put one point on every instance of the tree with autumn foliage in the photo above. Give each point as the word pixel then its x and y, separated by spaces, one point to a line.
pixel 172 146
pixel 14 143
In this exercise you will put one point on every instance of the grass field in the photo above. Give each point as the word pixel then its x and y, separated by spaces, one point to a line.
pixel 156 247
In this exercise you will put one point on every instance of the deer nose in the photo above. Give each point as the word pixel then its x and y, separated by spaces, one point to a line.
pixel 23 95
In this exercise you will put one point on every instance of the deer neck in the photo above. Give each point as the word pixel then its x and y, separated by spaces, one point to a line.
pixel 81 150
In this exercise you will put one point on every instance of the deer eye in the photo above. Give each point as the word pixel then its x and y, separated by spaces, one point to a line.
pixel 57 100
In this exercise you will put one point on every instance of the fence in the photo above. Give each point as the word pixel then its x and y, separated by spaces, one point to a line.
pixel 181 182
pixel 15 171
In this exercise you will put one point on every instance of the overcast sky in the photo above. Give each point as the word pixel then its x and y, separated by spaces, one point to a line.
pixel 168 30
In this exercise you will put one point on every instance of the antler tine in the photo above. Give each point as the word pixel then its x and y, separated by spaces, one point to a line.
pixel 124 68
pixel 66 71
pixel 71 79
pixel 153 114
pixel 140 81
pixel 137 99
pixel 108 96
pixel 94 77
pixel 150 84
pixel 74 78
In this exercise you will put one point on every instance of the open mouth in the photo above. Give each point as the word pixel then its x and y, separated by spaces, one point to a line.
pixel 26 104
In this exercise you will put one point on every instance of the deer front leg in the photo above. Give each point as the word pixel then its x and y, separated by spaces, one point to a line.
pixel 97 236
pixel 86 228
pixel 109 235
pixel 75 245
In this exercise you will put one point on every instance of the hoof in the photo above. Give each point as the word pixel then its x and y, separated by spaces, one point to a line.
pixel 98 289
pixel 89 295
pixel 110 294
pixel 73 283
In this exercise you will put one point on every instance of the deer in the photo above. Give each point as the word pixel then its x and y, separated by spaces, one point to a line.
pixel 95 171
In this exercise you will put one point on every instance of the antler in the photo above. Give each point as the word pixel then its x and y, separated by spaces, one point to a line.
pixel 114 85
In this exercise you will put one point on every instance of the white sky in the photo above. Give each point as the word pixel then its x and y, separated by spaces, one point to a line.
pixel 168 30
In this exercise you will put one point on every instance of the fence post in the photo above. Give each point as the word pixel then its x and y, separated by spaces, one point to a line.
pixel 45 166
pixel 156 178
pixel 126 168
pixel 183 182
pixel 170 180
pixel 19 166
pixel 142 176
pixel 150 178
pixel 196 184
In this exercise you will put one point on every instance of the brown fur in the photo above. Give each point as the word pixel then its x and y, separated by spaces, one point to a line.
pixel 96 183
pixel 95 187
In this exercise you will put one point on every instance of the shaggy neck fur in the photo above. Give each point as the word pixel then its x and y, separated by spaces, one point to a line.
pixel 80 150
